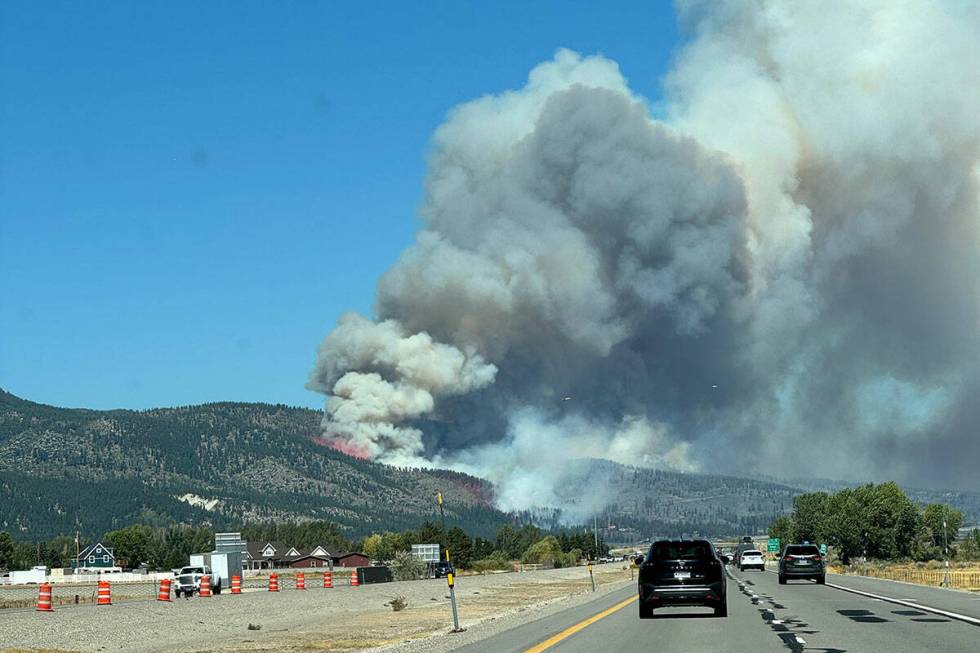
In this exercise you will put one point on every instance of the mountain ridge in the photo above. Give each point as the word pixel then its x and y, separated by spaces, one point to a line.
pixel 229 463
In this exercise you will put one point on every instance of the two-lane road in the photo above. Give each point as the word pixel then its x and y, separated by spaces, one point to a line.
pixel 763 616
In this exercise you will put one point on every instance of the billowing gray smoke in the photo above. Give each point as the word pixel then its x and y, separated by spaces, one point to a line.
pixel 787 261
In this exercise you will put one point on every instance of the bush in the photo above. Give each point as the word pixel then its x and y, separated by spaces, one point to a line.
pixel 496 562
pixel 398 603
pixel 548 552
pixel 405 566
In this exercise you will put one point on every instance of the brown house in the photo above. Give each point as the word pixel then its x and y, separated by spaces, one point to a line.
pixel 274 555
pixel 307 561
pixel 351 560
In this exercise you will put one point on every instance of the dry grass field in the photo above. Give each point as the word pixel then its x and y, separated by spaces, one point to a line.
pixel 964 576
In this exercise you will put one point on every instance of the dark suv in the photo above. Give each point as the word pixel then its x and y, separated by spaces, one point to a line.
pixel 442 569
pixel 801 561
pixel 681 572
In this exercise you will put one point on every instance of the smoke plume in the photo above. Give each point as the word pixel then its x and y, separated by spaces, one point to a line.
pixel 786 259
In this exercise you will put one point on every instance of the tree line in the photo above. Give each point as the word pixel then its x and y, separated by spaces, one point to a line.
pixel 878 522
pixel 526 543
pixel 162 548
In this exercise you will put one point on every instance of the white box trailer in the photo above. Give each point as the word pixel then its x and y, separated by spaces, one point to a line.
pixel 36 575
pixel 223 565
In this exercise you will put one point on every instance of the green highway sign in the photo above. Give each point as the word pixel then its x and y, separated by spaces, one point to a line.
pixel 773 546
pixel 823 549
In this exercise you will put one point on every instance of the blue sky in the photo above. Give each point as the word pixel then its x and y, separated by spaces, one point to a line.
pixel 191 193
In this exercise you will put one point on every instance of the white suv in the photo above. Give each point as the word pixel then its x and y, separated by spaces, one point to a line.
pixel 751 559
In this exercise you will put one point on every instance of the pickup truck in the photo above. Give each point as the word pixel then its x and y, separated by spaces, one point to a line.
pixel 189 581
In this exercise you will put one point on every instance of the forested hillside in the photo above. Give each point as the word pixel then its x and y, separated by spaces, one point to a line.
pixel 67 469
pixel 227 464
pixel 646 502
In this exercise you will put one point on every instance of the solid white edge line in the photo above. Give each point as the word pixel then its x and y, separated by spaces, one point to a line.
pixel 918 606
pixel 973 621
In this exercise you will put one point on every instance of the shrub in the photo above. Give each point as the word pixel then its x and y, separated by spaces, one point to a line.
pixel 405 566
pixel 545 552
pixel 398 603
pixel 496 562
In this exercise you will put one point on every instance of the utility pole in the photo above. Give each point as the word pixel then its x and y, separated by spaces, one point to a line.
pixel 595 533
pixel 442 520
pixel 945 547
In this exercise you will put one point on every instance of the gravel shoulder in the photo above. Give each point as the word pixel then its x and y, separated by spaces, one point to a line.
pixel 339 619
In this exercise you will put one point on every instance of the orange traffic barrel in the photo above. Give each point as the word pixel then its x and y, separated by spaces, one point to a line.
pixel 301 581
pixel 353 579
pixel 273 583
pixel 164 594
pixel 236 584
pixel 44 598
pixel 205 586
pixel 328 579
pixel 105 593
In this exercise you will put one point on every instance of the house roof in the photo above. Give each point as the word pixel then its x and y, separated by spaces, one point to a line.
pixel 305 556
pixel 254 549
pixel 340 556
pixel 84 553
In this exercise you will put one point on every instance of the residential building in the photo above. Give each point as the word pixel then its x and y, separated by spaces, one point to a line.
pixel 95 557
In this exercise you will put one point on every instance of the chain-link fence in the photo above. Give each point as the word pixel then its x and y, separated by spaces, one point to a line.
pixel 65 594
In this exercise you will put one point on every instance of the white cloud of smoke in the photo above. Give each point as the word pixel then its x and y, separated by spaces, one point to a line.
pixel 790 257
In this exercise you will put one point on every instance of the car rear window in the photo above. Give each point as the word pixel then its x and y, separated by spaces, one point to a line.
pixel 681 551
pixel 802 550
pixel 751 552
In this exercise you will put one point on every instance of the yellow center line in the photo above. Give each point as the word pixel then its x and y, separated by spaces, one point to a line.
pixel 568 632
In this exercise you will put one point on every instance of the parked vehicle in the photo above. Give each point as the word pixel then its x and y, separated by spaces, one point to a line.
pixel 442 568
pixel 189 581
pixel 751 559
pixel 37 575
pixel 222 565
pixel 681 572
pixel 801 561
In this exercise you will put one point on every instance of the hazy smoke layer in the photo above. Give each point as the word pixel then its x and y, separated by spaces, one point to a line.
pixel 788 261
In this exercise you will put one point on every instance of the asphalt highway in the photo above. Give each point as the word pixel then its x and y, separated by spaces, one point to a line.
pixel 763 616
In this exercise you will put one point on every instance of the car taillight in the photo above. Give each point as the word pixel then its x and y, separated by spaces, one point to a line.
pixel 789 558
pixel 817 557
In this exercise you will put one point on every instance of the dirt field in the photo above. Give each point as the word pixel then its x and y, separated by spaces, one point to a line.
pixel 341 619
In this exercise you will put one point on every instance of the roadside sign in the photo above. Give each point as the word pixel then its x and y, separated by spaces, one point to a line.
pixel 773 546
pixel 823 550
